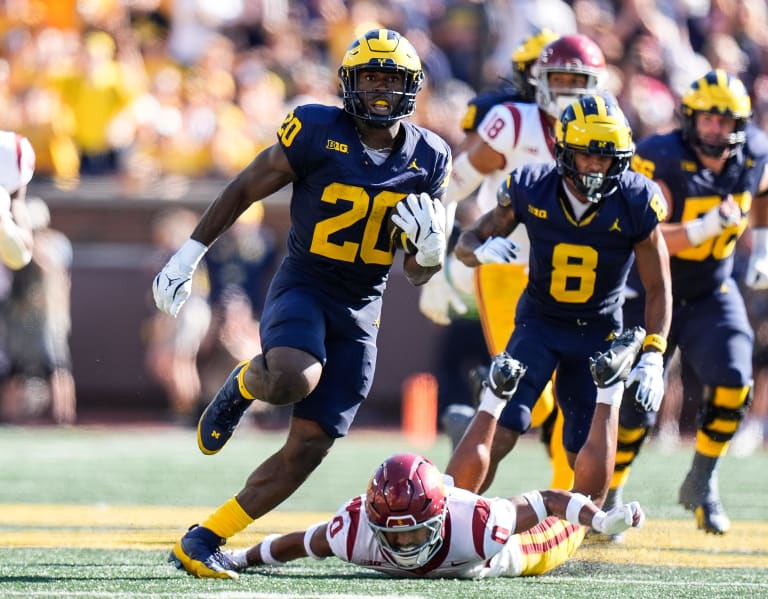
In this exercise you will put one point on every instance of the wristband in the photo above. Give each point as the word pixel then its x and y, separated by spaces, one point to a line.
pixel 536 501
pixel 491 404
pixel 265 552
pixel 575 503
pixel 308 540
pixel 191 252
pixel 610 396
pixel 655 341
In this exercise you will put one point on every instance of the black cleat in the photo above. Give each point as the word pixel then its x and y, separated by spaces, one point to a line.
pixel 504 375
pixel 221 417
pixel 704 501
pixel 614 365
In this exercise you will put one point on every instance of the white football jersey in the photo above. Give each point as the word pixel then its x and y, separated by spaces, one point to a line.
pixel 520 132
pixel 17 161
pixel 478 541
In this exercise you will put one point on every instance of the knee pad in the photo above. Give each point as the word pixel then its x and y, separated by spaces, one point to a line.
pixel 516 417
pixel 722 410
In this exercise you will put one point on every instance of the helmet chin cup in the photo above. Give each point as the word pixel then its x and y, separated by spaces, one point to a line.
pixel 591 185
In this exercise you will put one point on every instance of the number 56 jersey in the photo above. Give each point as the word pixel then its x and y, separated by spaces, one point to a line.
pixel 342 198
pixel 699 270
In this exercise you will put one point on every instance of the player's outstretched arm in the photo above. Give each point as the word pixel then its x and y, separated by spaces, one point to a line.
pixel 275 550
pixel 535 506
pixel 468 466
pixel 266 174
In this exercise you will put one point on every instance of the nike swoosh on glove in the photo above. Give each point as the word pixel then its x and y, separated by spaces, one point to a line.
pixel 173 284
pixel 423 220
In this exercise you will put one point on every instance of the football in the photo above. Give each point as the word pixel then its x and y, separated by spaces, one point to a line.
pixel 399 239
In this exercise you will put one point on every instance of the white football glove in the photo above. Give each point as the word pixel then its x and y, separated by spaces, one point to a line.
pixel 649 375
pixel 173 283
pixel 713 222
pixel 438 298
pixel 423 220
pixel 496 250
pixel 757 267
pixel 619 519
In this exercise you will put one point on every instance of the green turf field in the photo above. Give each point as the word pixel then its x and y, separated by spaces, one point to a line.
pixel 93 512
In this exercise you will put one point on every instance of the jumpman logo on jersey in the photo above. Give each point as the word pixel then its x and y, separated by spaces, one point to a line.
pixel 615 226
pixel 413 165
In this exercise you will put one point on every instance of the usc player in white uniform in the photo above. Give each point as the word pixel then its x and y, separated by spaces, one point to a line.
pixel 512 134
pixel 413 521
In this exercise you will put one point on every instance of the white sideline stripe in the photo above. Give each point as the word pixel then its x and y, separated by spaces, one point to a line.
pixel 662 583
pixel 225 595
pixel 252 595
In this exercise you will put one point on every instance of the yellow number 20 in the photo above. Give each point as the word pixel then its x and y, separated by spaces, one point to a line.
pixel 359 204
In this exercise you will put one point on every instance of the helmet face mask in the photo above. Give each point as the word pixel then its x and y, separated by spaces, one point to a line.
pixel 717 92
pixel 380 50
pixel 407 495
pixel 593 125
pixel 570 54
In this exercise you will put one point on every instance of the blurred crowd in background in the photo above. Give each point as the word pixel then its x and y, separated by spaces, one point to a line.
pixel 147 89
pixel 151 93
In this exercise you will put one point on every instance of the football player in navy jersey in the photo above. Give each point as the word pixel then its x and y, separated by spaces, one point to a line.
pixel 587 218
pixel 713 170
pixel 350 170
pixel 512 134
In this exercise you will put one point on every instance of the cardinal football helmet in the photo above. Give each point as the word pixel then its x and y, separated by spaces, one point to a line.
pixel 406 494
pixel 523 59
pixel 569 54
pixel 381 50
pixel 593 125
pixel 720 93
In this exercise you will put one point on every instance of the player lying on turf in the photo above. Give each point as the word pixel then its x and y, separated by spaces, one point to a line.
pixel 414 521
